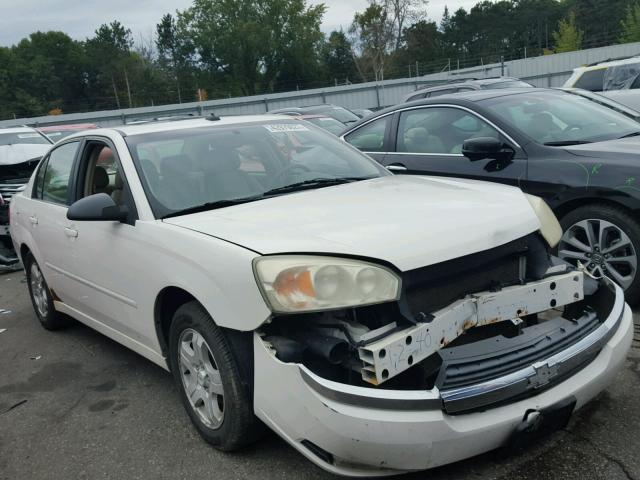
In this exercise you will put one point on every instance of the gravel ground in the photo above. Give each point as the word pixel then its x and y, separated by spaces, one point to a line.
pixel 76 405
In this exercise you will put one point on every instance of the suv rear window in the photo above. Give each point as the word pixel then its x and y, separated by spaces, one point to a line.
pixel 592 80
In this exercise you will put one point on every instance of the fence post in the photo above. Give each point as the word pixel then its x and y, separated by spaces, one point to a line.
pixel 378 95
pixel 266 104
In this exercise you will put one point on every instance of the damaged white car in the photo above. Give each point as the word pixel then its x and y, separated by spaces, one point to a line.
pixel 379 324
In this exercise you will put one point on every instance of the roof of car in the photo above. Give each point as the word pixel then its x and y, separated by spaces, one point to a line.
pixel 466 81
pixel 183 124
pixel 454 98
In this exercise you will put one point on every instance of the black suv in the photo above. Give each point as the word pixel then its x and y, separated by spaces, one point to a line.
pixel 466 85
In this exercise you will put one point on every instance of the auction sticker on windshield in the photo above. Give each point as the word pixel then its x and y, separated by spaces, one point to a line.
pixel 286 127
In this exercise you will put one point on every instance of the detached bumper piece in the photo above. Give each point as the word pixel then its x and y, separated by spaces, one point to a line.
pixel 390 356
pixel 541 357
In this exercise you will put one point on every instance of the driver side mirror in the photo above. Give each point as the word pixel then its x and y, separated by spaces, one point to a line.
pixel 98 208
pixel 486 147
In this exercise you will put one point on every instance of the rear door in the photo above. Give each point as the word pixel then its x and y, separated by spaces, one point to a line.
pixel 428 140
pixel 47 217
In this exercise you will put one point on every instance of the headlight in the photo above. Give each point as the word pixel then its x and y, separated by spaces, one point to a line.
pixel 549 226
pixel 305 283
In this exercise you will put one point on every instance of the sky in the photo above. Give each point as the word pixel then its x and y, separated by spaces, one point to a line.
pixel 80 18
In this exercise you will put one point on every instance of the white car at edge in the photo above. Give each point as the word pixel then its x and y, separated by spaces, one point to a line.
pixel 378 323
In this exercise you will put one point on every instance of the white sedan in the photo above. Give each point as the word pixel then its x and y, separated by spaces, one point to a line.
pixel 378 323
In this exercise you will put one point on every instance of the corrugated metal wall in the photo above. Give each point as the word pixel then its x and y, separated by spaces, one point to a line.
pixel 545 71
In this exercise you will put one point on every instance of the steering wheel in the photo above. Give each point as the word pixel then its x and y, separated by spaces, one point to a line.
pixel 573 128
pixel 292 167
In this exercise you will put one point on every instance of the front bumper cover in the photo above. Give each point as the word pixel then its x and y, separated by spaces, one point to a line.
pixel 359 431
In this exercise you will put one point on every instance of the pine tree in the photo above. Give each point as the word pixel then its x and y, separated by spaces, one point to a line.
pixel 568 38
pixel 631 24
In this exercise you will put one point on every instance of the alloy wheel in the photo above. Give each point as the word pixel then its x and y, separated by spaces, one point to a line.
pixel 201 378
pixel 603 248
pixel 38 290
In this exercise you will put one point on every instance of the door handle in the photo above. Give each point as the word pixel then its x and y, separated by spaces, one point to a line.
pixel 70 232
pixel 396 167
pixel 33 219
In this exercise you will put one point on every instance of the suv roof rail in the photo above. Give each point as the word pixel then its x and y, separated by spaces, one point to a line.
pixel 614 59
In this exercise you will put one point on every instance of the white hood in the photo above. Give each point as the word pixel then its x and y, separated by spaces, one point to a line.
pixel 21 152
pixel 408 221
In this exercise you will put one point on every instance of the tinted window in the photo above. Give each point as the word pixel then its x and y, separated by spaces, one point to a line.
pixel 57 174
pixel 445 91
pixel 592 80
pixel 439 130
pixel 370 138
pixel 557 118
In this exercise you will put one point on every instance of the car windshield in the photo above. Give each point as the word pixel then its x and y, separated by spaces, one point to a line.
pixel 507 84
pixel 204 168
pixel 559 118
pixel 329 124
pixel 31 138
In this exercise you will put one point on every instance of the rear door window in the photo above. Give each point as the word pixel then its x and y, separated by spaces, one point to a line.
pixel 370 137
pixel 592 80
pixel 57 174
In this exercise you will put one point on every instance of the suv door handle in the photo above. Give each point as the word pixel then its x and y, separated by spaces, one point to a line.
pixel 396 167
pixel 33 219
pixel 70 232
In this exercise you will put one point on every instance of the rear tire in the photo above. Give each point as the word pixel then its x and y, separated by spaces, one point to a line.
pixel 606 240
pixel 41 298
pixel 208 374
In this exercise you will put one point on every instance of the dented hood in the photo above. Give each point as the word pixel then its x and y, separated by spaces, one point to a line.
pixel 21 152
pixel 409 221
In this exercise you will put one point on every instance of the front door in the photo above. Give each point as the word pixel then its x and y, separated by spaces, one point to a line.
pixel 105 263
pixel 428 141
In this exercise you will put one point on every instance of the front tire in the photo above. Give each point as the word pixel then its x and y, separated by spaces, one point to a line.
pixel 41 297
pixel 606 240
pixel 207 373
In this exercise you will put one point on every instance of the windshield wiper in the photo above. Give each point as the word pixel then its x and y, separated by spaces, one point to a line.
pixel 632 134
pixel 212 206
pixel 566 143
pixel 313 183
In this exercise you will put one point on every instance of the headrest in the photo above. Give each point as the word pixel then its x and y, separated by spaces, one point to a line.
pixel 416 133
pixel 100 178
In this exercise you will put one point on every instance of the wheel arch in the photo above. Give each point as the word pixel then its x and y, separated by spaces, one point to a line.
pixel 564 208
pixel 168 300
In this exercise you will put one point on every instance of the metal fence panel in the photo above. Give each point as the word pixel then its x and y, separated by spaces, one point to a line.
pixel 544 71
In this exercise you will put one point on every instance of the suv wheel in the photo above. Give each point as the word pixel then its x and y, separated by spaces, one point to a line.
pixel 206 371
pixel 606 240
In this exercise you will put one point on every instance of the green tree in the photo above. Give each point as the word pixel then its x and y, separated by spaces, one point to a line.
pixel 337 57
pixel 243 45
pixel 373 38
pixel 109 56
pixel 631 24
pixel 568 37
